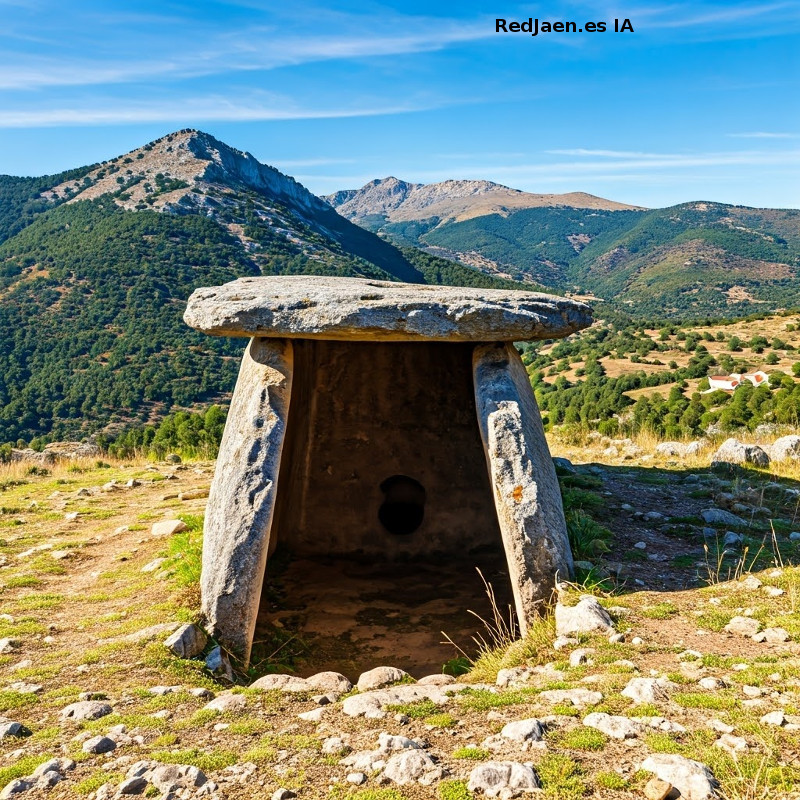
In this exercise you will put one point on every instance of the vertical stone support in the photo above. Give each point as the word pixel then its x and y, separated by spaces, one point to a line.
pixel 526 492
pixel 242 498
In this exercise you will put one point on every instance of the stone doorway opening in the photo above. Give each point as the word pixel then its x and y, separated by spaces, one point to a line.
pixel 380 562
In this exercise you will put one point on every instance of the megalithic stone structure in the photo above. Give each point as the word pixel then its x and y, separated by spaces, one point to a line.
pixel 383 420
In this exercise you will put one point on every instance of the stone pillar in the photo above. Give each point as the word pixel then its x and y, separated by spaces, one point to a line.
pixel 526 492
pixel 242 498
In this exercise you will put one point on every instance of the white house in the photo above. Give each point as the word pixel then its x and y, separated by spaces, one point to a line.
pixel 733 381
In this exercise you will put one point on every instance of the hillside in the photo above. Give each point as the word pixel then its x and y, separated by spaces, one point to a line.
pixel 96 265
pixel 693 259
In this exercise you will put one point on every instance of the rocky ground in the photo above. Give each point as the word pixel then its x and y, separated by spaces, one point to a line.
pixel 679 671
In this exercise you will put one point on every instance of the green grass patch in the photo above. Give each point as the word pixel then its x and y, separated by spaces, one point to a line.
pixel 11 700
pixel 441 720
pixel 96 780
pixel 561 777
pixel 611 780
pixel 40 601
pixel 208 761
pixel 582 738
pixel 453 790
pixel 664 610
pixel 471 754
pixel 20 768
pixel 717 701
pixel 416 710
pixel 483 699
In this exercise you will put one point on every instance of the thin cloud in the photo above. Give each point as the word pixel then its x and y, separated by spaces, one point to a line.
pixel 762 135
pixel 215 109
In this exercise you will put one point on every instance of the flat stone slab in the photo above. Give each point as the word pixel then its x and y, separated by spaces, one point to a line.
pixel 313 307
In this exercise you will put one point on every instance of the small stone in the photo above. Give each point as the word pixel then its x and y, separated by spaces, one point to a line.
pixel 315 715
pixel 153 565
pixel 776 718
pixel 581 656
pixel 514 677
pixel 641 545
pixel 772 636
pixel 648 690
pixel 7 645
pixel 436 680
pixel 751 582
pixel 187 641
pixel 719 726
pixel 616 638
pixel 711 683
pixel 614 726
pixel 226 703
pixel 718 516
pixel 743 626
pixel 334 746
pixel 502 778
pixel 561 642
pixel 524 730
pixel 283 794
pixel 773 591
pixel 577 697
pixel 656 789
pixel 168 527
pixel 410 766
pixel 379 677
pixel 752 691
pixel 85 710
pixel 731 744
pixel 15 787
pixel 356 778
pixel 637 641
pixel 9 729
pixel 98 745
pixel 217 663
pixel 132 785
pixel 585 617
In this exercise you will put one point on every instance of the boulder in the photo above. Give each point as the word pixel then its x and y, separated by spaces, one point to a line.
pixel 614 726
pixel 743 626
pixel 85 710
pixel 648 690
pixel 411 766
pixel 523 730
pixel 98 745
pixel 718 516
pixel 787 448
pixel 732 451
pixel 693 780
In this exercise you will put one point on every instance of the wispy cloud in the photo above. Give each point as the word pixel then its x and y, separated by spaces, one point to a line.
pixel 211 108
pixel 245 49
pixel 763 135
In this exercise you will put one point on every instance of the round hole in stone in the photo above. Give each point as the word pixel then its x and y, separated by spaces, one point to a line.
pixel 403 506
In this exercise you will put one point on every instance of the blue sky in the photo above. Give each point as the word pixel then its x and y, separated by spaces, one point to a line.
pixel 701 102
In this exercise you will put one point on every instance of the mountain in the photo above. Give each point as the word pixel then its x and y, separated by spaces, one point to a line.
pixel 392 200
pixel 96 265
pixel 695 259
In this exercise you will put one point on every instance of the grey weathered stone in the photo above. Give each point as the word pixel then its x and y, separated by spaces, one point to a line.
pixel 365 703
pixel 586 616
pixel 17 786
pixel 718 516
pixel 743 626
pixel 526 491
pixel 187 641
pixel 387 743
pixel 312 307
pixel 692 779
pixel 286 683
pixel 648 690
pixel 493 777
pixel 86 709
pixel 164 776
pixel 772 636
pixel 10 728
pixel 379 677
pixel 786 448
pixel 242 498
pixel 411 766
pixel 98 745
pixel 614 726
pixel 226 702
pixel 168 527
pixel 732 451
pixel 135 785
pixel 523 730
pixel 577 697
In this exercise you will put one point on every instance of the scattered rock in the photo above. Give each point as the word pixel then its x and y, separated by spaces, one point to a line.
pixel 372 703
pixel 98 745
pixel 85 710
pixel 743 626
pixel 692 779
pixel 648 690
pixel 656 789
pixel 226 702
pixel 187 641
pixel 772 636
pixel 153 565
pixel 7 645
pixel 514 677
pixel 786 448
pixel 614 726
pixel 577 697
pixel 731 744
pixel 718 516
pixel 411 766
pixel 493 777
pixel 286 683
pixel 9 728
pixel 167 527
pixel 379 677
pixel 775 718
pixel 356 778
pixel 523 730
pixel 585 617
